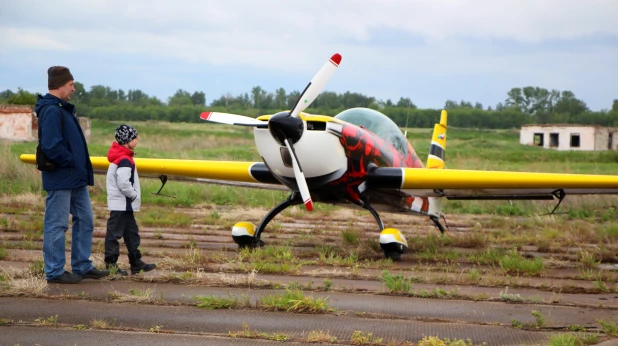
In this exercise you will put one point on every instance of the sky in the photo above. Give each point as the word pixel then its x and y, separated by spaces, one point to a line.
pixel 427 50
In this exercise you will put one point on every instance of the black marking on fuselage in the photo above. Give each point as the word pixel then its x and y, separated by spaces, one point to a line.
pixel 384 178
pixel 261 173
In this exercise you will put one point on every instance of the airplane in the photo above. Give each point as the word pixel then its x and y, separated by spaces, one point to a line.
pixel 358 158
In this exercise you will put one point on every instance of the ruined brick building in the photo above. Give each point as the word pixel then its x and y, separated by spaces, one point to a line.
pixel 570 137
pixel 18 123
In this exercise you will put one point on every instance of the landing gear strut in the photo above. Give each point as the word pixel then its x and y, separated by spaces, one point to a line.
pixel 246 235
pixel 392 241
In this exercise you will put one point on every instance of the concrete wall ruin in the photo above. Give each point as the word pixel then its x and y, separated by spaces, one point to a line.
pixel 569 137
pixel 18 123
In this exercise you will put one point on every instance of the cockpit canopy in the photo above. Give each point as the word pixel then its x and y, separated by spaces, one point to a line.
pixel 377 123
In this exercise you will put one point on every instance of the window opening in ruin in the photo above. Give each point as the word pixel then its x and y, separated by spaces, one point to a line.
pixel 538 139
pixel 553 140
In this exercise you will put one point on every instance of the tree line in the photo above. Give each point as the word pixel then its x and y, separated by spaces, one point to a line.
pixel 528 105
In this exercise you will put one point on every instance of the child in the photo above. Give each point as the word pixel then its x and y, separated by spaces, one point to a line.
pixel 123 198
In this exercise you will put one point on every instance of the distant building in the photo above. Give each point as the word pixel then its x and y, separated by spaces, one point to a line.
pixel 18 123
pixel 570 137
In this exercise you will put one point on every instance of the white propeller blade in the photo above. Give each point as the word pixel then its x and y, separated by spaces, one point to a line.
pixel 300 179
pixel 317 84
pixel 231 119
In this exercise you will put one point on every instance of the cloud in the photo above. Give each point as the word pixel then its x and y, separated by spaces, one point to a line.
pixel 300 23
pixel 386 44
pixel 30 39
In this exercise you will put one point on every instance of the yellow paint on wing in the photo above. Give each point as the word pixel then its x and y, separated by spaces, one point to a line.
pixel 423 178
pixel 219 170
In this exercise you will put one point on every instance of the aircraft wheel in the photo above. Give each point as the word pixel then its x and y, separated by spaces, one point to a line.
pixel 251 244
pixel 243 234
pixel 393 243
pixel 395 256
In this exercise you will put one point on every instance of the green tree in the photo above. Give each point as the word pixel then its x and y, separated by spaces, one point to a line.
pixel 198 98
pixel 568 103
pixel 80 94
pixel 22 97
pixel 449 104
pixel 405 102
pixel 180 98
pixel 4 95
pixel 292 98
pixel 280 98
pixel 137 96
pixel 256 92
pixel 515 99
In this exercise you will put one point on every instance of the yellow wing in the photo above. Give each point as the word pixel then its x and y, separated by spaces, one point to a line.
pixel 472 183
pixel 243 172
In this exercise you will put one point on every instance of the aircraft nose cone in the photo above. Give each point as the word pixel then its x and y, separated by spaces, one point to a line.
pixel 282 125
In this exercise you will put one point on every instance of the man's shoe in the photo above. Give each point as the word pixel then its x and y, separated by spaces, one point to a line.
pixel 139 266
pixel 65 278
pixel 94 273
pixel 114 269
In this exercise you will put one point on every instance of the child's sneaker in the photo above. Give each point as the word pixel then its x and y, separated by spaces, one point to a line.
pixel 139 266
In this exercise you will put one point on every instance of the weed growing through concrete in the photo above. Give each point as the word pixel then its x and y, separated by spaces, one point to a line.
pixel 102 324
pixel 436 341
pixel 362 338
pixel 515 263
pixel 396 283
pixel 609 327
pixel 295 300
pixel 213 302
pixel 50 321
pixel 321 336
pixel 246 332
pixel 540 320
pixel 508 297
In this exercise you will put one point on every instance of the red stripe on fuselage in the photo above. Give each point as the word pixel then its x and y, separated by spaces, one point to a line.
pixel 363 148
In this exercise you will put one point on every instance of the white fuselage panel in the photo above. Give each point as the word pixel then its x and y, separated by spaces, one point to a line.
pixel 319 153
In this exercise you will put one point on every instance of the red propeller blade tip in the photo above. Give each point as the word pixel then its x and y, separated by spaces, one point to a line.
pixel 205 115
pixel 309 205
pixel 336 59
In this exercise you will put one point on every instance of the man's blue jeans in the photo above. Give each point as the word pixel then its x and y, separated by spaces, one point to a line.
pixel 58 205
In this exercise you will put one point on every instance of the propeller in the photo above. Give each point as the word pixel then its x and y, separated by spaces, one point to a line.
pixel 232 119
pixel 286 127
pixel 315 86
pixel 300 178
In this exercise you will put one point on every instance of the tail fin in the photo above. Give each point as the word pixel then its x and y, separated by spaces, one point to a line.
pixel 438 144
pixel 436 160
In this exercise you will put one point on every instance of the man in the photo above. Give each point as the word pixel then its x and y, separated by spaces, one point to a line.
pixel 63 142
